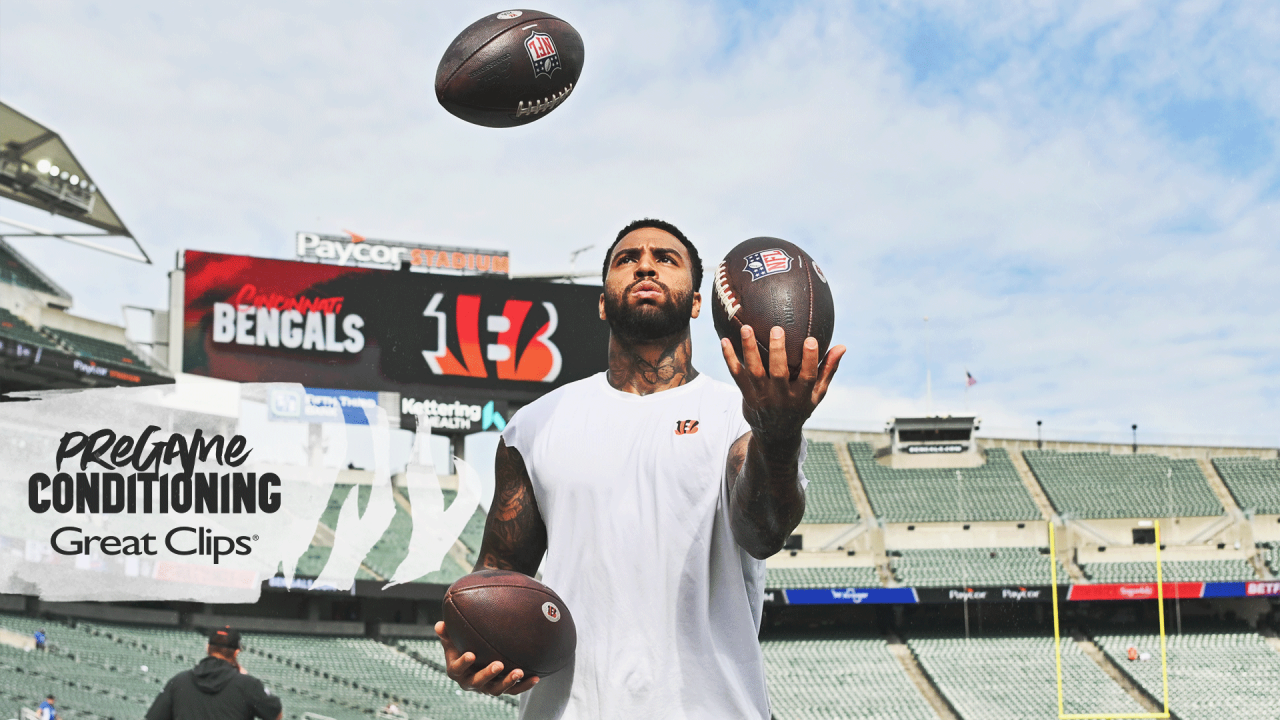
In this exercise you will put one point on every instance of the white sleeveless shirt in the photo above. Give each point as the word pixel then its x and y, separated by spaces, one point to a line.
pixel 666 603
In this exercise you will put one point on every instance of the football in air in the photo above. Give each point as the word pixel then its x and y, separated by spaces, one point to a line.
pixel 510 617
pixel 509 68
pixel 766 282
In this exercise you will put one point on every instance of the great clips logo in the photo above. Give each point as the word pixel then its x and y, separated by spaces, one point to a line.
pixel 297 323
pixel 537 361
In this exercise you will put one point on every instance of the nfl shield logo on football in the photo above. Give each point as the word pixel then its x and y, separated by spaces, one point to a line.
pixel 542 51
pixel 767 262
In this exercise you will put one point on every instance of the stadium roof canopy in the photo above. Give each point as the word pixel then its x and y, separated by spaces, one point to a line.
pixel 38 169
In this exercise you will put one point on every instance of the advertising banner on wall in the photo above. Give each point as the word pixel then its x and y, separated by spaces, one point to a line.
pixel 1135 591
pixel 253 319
pixel 851 596
pixel 1014 594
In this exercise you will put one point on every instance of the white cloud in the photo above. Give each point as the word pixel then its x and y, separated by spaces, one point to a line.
pixel 1034 209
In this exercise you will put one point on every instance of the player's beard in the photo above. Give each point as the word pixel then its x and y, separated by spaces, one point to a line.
pixel 646 322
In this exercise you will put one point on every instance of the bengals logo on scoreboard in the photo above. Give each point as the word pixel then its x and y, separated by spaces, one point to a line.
pixel 540 360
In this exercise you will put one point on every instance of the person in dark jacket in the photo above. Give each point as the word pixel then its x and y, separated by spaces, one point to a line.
pixel 217 688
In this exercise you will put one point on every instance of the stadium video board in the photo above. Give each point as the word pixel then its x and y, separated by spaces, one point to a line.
pixel 447 338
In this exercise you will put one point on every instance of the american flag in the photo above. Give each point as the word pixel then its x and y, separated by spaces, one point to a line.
pixel 970 380
pixel 767 262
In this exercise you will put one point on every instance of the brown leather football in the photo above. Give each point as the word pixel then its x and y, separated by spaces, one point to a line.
pixel 510 617
pixel 766 282
pixel 509 68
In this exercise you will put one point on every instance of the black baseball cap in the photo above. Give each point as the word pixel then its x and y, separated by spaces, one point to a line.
pixel 225 637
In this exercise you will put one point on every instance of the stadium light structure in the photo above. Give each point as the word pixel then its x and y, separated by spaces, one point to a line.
pixel 1135 438
pixel 1039 436
pixel 39 170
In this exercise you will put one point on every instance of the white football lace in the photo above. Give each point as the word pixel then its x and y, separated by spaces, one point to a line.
pixel 724 292
pixel 535 107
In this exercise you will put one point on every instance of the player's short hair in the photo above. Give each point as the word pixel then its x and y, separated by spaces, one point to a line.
pixel 695 262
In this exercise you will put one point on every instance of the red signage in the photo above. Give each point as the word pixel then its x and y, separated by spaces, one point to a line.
pixel 1135 591
pixel 1255 589
pixel 259 320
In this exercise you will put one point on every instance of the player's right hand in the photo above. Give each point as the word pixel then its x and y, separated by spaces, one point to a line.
pixel 489 680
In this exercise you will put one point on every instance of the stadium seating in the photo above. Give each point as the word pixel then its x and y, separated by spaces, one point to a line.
pixel 822 577
pixel 1181 571
pixel 827 498
pixel 1014 678
pixel 13 327
pixel 1254 482
pixel 92 348
pixel 97 671
pixel 835 679
pixel 14 272
pixel 1271 556
pixel 975 566
pixel 366 666
pixel 1211 676
pixel 1102 485
pixel 391 549
pixel 990 492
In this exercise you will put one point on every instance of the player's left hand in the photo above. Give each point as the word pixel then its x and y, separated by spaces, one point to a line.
pixel 773 403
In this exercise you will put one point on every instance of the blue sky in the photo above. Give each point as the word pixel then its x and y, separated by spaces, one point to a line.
pixel 1081 196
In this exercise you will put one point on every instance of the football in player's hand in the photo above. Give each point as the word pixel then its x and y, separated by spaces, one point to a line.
pixel 766 282
pixel 510 617
pixel 509 68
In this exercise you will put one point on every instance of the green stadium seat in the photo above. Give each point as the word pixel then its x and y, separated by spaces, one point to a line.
pixel 822 577
pixel 95 669
pixel 839 679
pixel 1102 485
pixel 15 272
pixel 15 328
pixel 92 348
pixel 1254 482
pixel 990 492
pixel 1175 571
pixel 989 566
pixel 1014 678
pixel 391 549
pixel 1212 676
pixel 827 498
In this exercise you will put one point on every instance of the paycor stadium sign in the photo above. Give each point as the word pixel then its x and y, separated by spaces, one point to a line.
pixel 356 251
pixel 262 320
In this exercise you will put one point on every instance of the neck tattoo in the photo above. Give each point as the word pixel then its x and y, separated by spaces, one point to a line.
pixel 650 368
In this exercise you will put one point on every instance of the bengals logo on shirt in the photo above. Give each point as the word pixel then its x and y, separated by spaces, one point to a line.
pixel 686 427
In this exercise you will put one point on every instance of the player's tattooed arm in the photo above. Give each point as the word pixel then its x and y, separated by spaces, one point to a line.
pixel 670 367
pixel 766 501
pixel 515 536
